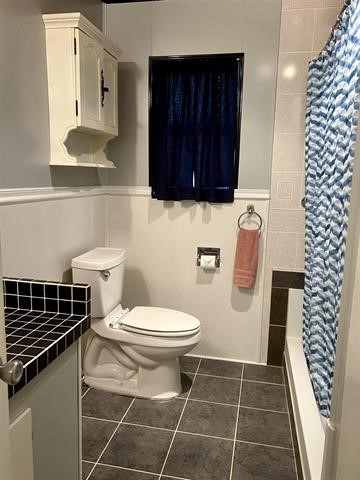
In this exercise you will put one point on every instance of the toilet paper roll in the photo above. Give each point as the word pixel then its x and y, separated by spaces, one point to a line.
pixel 207 262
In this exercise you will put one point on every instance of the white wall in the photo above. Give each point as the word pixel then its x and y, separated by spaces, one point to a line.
pixel 161 239
pixel 24 119
pixel 39 238
pixel 175 27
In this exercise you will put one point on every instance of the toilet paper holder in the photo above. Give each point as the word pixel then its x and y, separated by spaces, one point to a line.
pixel 208 251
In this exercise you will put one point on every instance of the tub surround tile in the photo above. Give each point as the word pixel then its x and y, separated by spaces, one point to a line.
pixel 296 31
pixel 325 19
pixel 155 414
pixel 261 426
pixel 279 305
pixel 282 279
pixel 263 396
pixel 293 72
pixel 281 282
pixel 276 345
pixel 209 419
pixel 200 458
pixel 37 336
pixel 139 448
pixel 216 389
pixel 257 462
pixel 220 368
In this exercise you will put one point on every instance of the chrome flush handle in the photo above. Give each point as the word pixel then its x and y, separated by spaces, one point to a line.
pixel 11 372
pixel 106 274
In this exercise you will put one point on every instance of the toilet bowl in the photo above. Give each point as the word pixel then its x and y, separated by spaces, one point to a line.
pixel 130 352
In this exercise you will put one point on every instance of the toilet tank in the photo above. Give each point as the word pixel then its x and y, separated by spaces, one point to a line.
pixel 102 269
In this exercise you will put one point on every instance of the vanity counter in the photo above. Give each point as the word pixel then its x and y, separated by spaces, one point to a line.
pixel 42 319
pixel 44 322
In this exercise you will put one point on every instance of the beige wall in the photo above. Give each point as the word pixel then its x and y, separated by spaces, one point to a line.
pixel 305 27
pixel 24 123
pixel 174 27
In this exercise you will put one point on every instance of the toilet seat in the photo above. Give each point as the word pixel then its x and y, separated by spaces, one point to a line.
pixel 154 321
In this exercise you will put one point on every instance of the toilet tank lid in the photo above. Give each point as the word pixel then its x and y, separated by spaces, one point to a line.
pixel 99 259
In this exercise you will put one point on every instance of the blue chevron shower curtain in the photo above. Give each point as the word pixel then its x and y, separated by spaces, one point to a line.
pixel 331 122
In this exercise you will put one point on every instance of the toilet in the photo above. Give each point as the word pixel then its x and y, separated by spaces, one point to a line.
pixel 131 352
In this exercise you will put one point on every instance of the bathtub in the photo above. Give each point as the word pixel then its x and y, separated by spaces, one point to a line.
pixel 310 425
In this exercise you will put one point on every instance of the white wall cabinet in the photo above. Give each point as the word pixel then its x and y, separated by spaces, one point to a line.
pixel 82 88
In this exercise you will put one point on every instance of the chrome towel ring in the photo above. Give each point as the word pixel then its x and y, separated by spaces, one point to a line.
pixel 250 210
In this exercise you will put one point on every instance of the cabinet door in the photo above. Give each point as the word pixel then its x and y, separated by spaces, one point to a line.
pixel 88 78
pixel 109 93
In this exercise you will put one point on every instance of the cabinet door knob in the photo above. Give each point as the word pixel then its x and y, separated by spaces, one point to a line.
pixel 11 372
pixel 103 88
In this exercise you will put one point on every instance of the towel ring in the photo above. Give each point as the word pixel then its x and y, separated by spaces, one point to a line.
pixel 250 210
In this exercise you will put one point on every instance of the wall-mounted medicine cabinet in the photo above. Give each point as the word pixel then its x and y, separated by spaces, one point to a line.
pixel 82 87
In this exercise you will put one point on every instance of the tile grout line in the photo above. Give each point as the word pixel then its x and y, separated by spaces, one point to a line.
pixel 107 444
pixel 237 379
pixel 179 421
pixel 126 468
pixel 184 432
pixel 83 395
pixel 265 445
pixel 236 427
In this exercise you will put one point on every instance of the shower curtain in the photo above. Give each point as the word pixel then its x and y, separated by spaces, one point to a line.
pixel 331 123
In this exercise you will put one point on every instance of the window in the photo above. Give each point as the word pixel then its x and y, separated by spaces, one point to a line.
pixel 194 126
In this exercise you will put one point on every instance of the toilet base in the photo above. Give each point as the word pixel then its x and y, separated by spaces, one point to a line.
pixel 160 383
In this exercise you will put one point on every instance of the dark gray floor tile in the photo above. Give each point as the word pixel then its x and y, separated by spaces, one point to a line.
pixel 86 469
pixel 199 458
pixel 260 426
pixel 221 368
pixel 263 395
pixel 209 419
pixel 255 462
pixel 214 389
pixel 84 389
pixel 155 413
pixel 186 382
pixel 95 435
pixel 140 448
pixel 263 373
pixel 103 472
pixel 189 364
pixel 109 406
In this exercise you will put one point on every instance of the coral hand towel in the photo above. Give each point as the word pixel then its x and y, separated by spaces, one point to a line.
pixel 246 258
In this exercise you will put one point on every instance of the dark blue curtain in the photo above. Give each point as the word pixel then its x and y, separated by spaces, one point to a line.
pixel 194 127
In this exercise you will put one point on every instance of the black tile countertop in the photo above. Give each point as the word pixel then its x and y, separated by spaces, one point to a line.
pixel 37 337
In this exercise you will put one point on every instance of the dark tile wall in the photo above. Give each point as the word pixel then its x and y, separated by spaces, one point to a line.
pixel 281 282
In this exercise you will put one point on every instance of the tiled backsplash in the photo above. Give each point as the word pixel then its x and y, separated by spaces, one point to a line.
pixel 38 295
